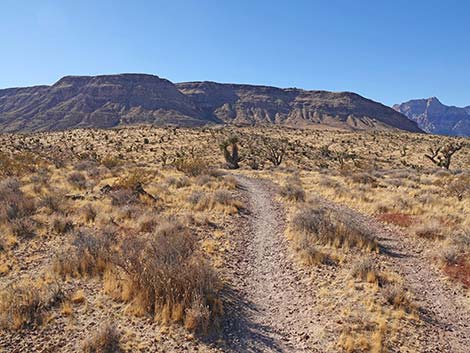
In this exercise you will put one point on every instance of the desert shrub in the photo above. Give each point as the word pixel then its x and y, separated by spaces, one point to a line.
pixel 106 340
pixel 132 179
pixel 78 180
pixel 456 257
pixel 61 225
pixel 86 165
pixel 178 183
pixel 23 228
pixel 219 200
pixel 88 254
pixel 128 212
pixel 326 226
pixel 223 197
pixel 431 229
pixel 121 197
pixel 147 222
pixel 231 182
pixel 25 303
pixel 55 201
pixel 166 279
pixel 195 197
pixel 111 162
pixel 365 270
pixel 327 182
pixel 203 179
pixel 292 190
pixel 397 296
pixel 13 203
pixel 460 187
pixel 364 178
pixel 191 166
pixel 308 252
pixel 89 212
pixel 18 164
pixel 394 182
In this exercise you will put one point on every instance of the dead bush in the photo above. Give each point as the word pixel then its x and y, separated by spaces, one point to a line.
pixel 147 222
pixel 365 270
pixel 195 197
pixel 13 203
pixel 456 257
pixel 364 178
pixel 164 278
pixel 292 190
pixel 191 166
pixel 398 297
pixel 106 340
pixel 89 212
pixel 24 228
pixel 55 202
pixel 203 179
pixel 431 229
pixel 61 225
pixel 179 183
pixel 24 303
pixel 88 254
pixel 121 197
pixel 460 187
pixel 325 226
pixel 223 197
pixel 18 164
pixel 78 180
pixel 111 162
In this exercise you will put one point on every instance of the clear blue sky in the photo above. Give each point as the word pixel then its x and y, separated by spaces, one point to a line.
pixel 389 51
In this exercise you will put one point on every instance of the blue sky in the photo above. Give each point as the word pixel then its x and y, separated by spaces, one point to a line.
pixel 389 51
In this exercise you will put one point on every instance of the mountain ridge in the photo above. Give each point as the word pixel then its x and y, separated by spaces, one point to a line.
pixel 106 101
pixel 433 116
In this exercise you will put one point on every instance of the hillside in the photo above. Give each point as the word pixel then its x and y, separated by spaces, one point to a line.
pixel 434 117
pixel 127 99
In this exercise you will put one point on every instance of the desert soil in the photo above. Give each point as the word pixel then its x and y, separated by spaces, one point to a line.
pixel 272 307
pixel 273 304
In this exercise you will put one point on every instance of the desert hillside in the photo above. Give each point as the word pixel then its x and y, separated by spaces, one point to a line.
pixel 130 99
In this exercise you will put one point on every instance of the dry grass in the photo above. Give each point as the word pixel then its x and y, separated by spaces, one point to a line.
pixel 292 189
pixel 106 340
pixel 320 225
pixel 25 303
pixel 98 207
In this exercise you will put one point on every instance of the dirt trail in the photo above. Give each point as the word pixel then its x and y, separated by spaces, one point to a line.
pixel 274 304
pixel 271 301
pixel 445 307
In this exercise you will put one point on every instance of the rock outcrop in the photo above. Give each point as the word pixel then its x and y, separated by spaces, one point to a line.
pixel 114 100
pixel 434 117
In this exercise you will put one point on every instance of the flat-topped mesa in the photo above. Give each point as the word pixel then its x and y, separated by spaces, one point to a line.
pixel 124 99
pixel 251 104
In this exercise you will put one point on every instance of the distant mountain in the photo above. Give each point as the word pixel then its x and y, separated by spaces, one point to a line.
pixel 114 100
pixel 434 117
pixel 248 104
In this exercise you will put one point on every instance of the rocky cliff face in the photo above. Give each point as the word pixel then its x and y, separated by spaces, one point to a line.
pixel 434 117
pixel 100 101
pixel 247 104
pixel 113 100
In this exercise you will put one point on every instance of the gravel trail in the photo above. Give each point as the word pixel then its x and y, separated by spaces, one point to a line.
pixel 273 307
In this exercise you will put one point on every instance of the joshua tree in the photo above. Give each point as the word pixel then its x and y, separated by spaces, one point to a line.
pixel 441 156
pixel 275 150
pixel 230 149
